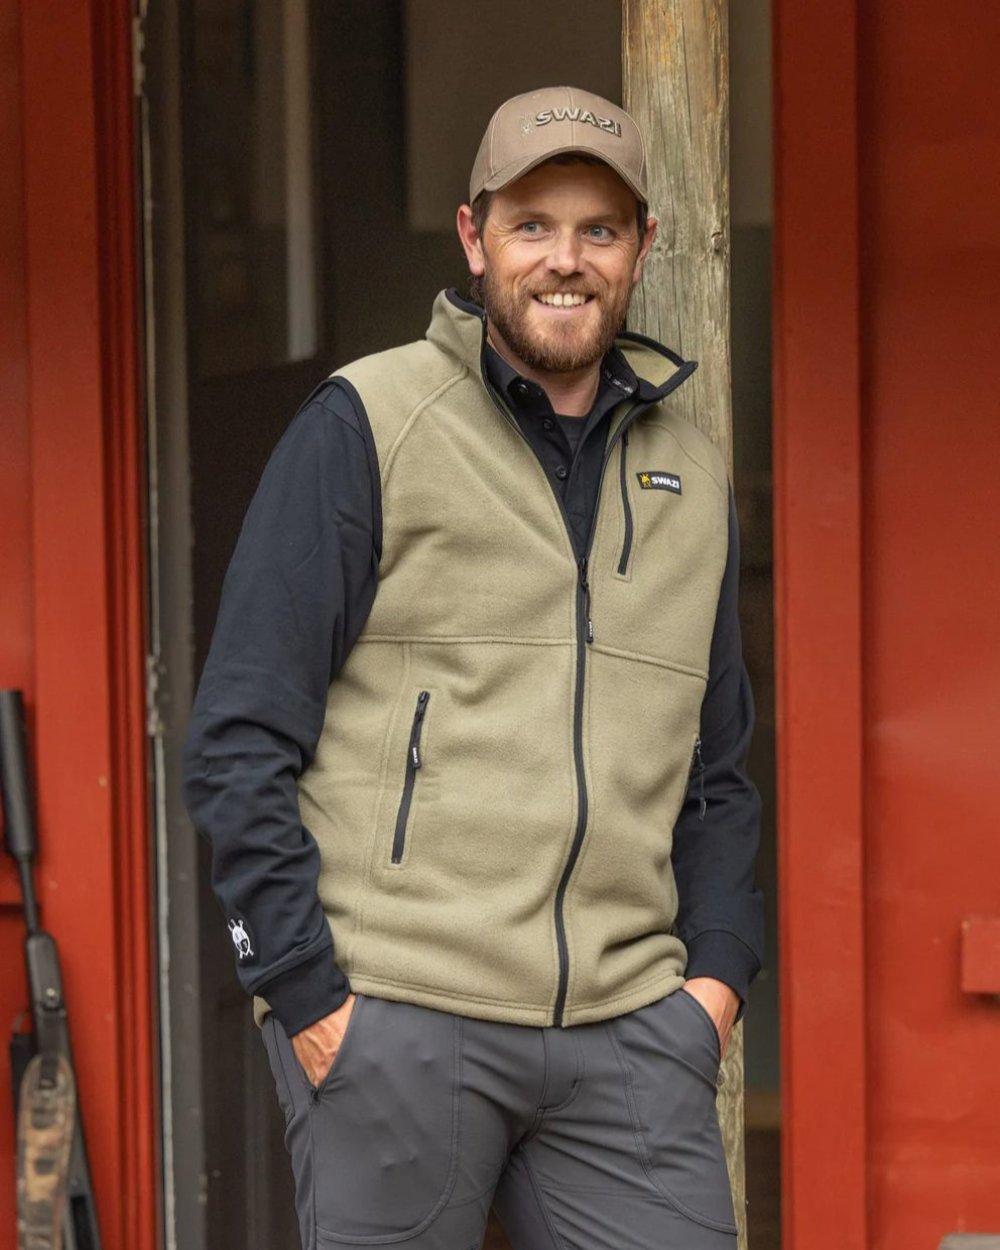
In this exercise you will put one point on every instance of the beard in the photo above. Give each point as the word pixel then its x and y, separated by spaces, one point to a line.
pixel 556 348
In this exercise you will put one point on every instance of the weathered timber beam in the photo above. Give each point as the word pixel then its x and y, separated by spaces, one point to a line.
pixel 676 86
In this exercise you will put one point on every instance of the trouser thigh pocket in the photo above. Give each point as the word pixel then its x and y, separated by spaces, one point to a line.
pixel 273 1037
pixel 294 1100
pixel 670 1064
pixel 685 999
pixel 384 1125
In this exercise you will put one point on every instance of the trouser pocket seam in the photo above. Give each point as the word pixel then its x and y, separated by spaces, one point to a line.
pixel 450 1179
pixel 289 1102
pixel 642 1151
pixel 709 1023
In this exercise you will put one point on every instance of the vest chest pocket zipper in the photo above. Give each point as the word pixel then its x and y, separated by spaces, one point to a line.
pixel 413 763
pixel 626 508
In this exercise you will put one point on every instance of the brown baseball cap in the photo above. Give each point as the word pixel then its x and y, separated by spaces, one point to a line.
pixel 529 129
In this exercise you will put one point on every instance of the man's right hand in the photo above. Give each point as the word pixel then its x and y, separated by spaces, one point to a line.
pixel 316 1047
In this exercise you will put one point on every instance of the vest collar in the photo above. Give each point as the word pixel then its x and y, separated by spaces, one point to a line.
pixel 458 327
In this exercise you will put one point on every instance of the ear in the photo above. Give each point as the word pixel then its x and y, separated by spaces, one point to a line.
pixel 644 247
pixel 472 244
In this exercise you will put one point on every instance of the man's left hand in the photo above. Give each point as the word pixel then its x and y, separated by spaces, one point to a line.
pixel 720 1001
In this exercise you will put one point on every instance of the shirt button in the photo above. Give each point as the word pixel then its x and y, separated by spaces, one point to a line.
pixel 562 472
pixel 548 424
pixel 521 388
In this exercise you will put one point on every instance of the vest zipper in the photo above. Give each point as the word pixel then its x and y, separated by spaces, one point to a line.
pixel 585 588
pixel 626 508
pixel 413 762
pixel 585 635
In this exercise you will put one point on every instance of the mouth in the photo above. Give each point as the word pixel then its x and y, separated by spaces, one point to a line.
pixel 563 300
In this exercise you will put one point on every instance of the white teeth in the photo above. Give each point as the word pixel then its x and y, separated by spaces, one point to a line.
pixel 559 300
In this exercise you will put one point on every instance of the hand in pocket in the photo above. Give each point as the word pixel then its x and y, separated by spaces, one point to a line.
pixel 316 1047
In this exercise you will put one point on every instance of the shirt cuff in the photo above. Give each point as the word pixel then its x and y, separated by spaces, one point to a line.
pixel 306 993
pixel 722 955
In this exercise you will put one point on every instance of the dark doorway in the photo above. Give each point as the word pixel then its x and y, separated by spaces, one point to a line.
pixel 303 161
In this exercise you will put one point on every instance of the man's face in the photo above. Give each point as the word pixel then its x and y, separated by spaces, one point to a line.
pixel 559 257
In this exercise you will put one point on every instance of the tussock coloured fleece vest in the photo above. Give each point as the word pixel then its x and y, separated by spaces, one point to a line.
pixel 507 747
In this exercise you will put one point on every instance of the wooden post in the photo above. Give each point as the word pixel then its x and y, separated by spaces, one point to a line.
pixel 675 61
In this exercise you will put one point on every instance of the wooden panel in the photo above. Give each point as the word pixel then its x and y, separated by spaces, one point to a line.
pixel 818 546
pixel 676 86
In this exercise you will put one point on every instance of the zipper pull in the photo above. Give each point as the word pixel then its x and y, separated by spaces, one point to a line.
pixel 585 587
pixel 418 717
pixel 699 764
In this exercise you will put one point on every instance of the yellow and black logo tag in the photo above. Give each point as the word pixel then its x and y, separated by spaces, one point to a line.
pixel 658 480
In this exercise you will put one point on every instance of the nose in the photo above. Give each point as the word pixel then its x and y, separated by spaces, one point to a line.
pixel 564 255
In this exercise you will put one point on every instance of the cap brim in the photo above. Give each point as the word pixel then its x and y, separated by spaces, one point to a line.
pixel 517 169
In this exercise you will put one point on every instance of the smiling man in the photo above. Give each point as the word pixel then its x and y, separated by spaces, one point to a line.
pixel 469 745
pixel 557 258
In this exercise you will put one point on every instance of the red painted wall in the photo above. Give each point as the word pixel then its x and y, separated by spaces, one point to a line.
pixel 887 370
pixel 71 570
pixel 930 280
pixel 16 641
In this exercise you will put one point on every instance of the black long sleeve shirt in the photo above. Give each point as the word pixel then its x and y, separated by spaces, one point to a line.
pixel 296 596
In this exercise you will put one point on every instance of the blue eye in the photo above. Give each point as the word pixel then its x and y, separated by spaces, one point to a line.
pixel 530 227
pixel 600 233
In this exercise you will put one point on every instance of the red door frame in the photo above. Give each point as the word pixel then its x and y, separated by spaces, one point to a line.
pixel 87 704
pixel 818 610
pixel 88 575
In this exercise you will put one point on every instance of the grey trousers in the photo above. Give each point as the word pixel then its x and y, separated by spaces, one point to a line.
pixel 597 1137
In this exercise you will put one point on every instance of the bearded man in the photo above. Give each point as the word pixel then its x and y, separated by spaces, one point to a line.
pixel 469 745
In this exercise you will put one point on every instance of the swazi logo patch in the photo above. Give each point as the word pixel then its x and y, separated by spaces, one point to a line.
pixel 240 933
pixel 607 124
pixel 657 480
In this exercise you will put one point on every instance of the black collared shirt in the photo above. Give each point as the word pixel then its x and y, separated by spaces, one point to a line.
pixel 570 449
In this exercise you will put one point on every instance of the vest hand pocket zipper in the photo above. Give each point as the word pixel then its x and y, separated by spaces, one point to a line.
pixel 413 762
pixel 698 775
